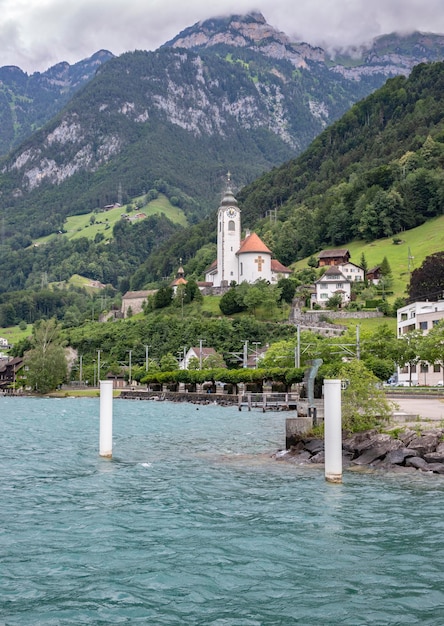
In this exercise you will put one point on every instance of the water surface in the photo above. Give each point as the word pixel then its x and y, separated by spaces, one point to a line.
pixel 192 523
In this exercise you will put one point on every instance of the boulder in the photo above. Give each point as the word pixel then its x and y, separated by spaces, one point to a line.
pixel 301 458
pixel 406 436
pixel 359 441
pixel 418 462
pixel 398 456
pixel 434 457
pixel 438 468
pixel 314 445
pixel 425 443
pixel 370 455
pixel 318 458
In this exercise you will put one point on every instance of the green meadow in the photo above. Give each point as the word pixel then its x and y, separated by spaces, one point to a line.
pixel 90 224
pixel 413 247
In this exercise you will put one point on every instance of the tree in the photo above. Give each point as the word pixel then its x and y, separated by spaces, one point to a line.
pixel 364 404
pixel 232 301
pixel 46 361
pixel 363 263
pixel 427 281
pixel 409 350
pixel 168 363
pixel 288 289
pixel 385 267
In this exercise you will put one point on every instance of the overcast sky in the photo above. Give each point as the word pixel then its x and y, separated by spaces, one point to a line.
pixel 36 34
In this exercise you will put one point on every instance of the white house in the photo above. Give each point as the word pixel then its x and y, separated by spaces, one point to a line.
pixel 201 354
pixel 352 272
pixel 333 282
pixel 420 316
pixel 240 260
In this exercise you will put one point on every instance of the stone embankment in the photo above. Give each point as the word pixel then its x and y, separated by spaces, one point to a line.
pixel 408 451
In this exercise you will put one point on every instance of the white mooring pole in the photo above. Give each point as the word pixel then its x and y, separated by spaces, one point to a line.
pixel 106 418
pixel 333 431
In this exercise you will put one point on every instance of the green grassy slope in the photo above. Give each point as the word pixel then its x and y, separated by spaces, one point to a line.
pixel 416 243
pixel 78 226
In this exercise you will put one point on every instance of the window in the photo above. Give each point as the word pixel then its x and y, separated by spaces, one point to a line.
pixel 231 225
pixel 241 269
pixel 324 296
pixel 436 367
pixel 435 322
pixel 403 317
pixel 339 285
pixel 423 325
pixel 412 314
pixel 324 286
pixel 424 368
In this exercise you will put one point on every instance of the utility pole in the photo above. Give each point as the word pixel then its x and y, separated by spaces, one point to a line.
pixel 245 363
pixel 146 357
pixel 129 373
pixel 200 352
pixel 98 365
pixel 81 369
pixel 358 343
pixel 297 353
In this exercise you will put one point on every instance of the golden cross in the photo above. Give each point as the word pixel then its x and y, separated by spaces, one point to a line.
pixel 259 262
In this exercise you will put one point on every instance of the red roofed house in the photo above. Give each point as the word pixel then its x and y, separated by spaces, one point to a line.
pixel 246 260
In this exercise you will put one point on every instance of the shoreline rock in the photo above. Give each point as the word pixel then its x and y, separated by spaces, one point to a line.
pixel 408 451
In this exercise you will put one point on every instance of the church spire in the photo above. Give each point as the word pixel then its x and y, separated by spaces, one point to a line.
pixel 228 199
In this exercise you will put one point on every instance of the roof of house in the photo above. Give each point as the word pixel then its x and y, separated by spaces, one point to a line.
pixel 276 266
pixel 330 273
pixel 337 252
pixel 16 362
pixel 205 351
pixel 178 281
pixel 212 267
pixel 253 243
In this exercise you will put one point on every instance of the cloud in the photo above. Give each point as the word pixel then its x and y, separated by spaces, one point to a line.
pixel 35 35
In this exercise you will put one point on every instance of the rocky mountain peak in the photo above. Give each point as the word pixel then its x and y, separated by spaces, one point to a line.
pixel 245 31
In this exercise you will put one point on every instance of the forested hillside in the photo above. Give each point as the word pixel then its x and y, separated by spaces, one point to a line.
pixel 374 173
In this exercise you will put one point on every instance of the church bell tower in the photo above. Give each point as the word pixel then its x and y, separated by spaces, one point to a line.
pixel 228 238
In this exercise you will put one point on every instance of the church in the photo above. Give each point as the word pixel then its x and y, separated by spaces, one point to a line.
pixel 240 260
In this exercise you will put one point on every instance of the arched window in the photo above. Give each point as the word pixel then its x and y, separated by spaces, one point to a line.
pixel 231 225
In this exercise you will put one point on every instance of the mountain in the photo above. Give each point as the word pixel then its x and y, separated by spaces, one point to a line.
pixel 27 102
pixel 389 55
pixel 226 94
pixel 375 173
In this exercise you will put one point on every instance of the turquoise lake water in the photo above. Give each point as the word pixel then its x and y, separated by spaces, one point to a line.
pixel 192 523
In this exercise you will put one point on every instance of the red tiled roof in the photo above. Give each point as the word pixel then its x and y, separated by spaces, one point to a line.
pixel 276 266
pixel 253 243
pixel 179 281
pixel 212 267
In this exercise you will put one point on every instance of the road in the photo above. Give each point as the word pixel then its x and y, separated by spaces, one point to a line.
pixel 424 408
